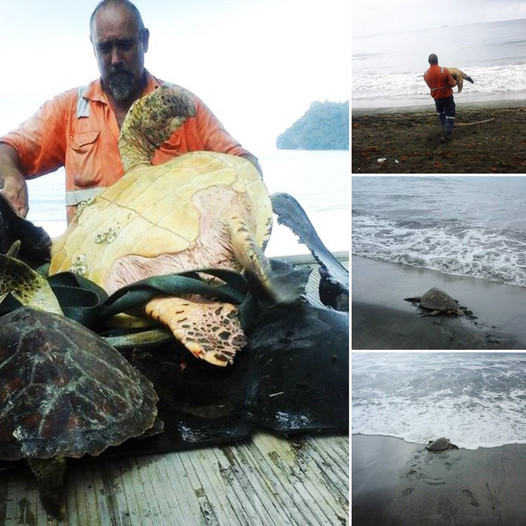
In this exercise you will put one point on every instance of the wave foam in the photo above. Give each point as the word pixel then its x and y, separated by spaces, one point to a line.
pixel 409 87
pixel 495 254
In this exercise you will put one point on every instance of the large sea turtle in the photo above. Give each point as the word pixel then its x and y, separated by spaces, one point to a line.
pixel 459 76
pixel 64 392
pixel 436 301
pixel 198 210
pixel 440 444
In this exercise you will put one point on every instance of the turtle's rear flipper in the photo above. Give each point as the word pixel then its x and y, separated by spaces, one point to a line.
pixel 334 284
pixel 50 474
pixel 209 329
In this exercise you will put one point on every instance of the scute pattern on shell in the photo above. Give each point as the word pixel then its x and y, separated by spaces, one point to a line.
pixel 64 391
pixel 153 211
pixel 437 299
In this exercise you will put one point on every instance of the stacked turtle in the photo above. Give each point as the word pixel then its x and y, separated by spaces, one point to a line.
pixel 198 210
pixel 64 392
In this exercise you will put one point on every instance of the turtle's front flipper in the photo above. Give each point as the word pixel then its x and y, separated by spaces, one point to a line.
pixel 26 285
pixel 334 284
pixel 416 299
pixel 50 474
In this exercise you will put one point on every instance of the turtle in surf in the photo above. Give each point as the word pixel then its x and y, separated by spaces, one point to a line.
pixel 440 444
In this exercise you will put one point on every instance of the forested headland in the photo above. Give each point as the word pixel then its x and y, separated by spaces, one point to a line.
pixel 325 126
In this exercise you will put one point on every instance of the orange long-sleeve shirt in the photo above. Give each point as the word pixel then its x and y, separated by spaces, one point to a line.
pixel 78 130
pixel 440 81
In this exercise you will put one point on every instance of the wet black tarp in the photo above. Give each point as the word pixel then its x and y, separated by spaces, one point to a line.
pixel 293 377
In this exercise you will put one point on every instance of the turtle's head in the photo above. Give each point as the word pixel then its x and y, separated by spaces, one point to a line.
pixel 151 121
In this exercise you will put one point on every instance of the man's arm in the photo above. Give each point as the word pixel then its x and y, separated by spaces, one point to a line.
pixel 12 182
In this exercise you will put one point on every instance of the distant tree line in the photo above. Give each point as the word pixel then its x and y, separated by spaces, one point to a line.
pixel 325 126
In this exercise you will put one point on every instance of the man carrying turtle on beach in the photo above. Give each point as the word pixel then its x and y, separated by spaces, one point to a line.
pixel 441 82
pixel 79 129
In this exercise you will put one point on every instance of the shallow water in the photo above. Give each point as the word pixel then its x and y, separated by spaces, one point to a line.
pixel 475 399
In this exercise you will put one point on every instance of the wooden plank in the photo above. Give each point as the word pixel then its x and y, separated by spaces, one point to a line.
pixel 265 481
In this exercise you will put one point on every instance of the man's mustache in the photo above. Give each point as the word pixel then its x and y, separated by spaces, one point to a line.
pixel 119 70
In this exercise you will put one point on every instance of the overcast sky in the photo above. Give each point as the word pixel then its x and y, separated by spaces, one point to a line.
pixel 258 64
pixel 372 17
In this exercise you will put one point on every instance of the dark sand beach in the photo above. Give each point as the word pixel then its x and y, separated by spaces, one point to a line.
pixel 409 141
pixel 397 483
pixel 381 319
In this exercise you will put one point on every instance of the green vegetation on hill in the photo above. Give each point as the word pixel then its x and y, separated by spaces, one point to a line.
pixel 325 126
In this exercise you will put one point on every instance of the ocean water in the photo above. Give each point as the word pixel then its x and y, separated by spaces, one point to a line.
pixel 319 180
pixel 474 399
pixel 387 69
pixel 462 225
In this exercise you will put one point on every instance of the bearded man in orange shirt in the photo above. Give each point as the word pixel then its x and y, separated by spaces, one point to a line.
pixel 441 82
pixel 79 129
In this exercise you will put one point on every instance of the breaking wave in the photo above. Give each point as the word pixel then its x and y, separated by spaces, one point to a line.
pixel 449 246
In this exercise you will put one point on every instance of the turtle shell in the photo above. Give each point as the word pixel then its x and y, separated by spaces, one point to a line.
pixel 64 391
pixel 167 218
pixel 440 444
pixel 436 299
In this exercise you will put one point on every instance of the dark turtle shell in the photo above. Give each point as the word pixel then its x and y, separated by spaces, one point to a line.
pixel 64 391
pixel 441 444
pixel 435 299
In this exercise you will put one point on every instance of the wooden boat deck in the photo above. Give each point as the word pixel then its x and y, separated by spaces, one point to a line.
pixel 268 480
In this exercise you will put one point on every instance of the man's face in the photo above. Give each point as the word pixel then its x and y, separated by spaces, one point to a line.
pixel 119 48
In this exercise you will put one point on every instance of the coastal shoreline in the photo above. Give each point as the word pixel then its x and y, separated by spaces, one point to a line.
pixel 408 140
pixel 429 107
pixel 398 483
pixel 382 320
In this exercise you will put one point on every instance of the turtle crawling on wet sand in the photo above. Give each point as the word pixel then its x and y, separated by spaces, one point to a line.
pixel 440 444
pixel 437 301
pixel 64 392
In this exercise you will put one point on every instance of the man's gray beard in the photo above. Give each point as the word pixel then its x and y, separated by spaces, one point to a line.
pixel 121 85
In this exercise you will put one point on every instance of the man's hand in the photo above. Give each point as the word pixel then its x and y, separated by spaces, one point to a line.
pixel 15 190
pixel 12 182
